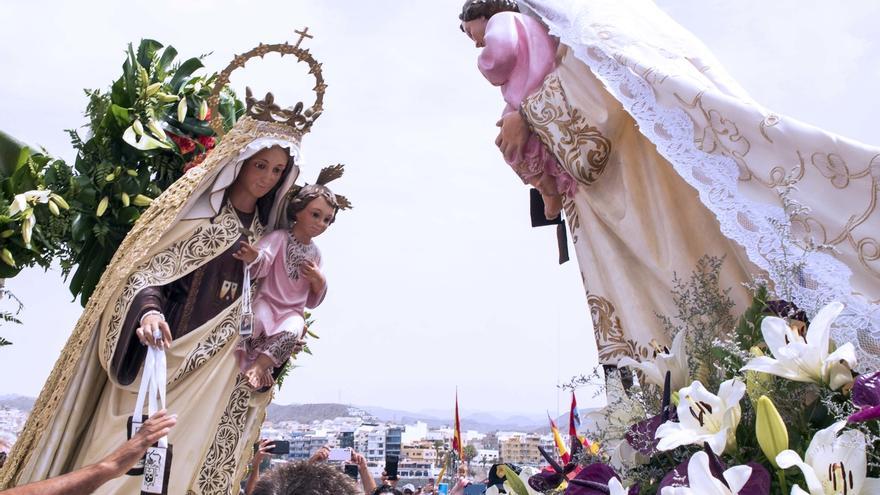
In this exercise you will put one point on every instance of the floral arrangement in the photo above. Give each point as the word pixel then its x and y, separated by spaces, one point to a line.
pixel 766 404
pixel 143 133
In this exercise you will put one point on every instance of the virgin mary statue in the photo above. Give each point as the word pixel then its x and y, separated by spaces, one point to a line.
pixel 660 158
pixel 176 263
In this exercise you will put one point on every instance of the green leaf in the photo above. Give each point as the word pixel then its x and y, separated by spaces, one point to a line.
pixel 514 481
pixel 183 72
pixel 81 227
pixel 128 215
pixel 167 57
pixel 4 342
pixel 10 153
pixel 146 51
pixel 96 268
pixel 122 116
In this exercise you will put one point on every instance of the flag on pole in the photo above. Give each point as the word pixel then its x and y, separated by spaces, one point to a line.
pixel 574 417
pixel 560 445
pixel 457 444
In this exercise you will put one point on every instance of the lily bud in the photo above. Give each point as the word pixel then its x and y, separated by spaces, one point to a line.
pixel 203 110
pixel 27 227
pixel 156 129
pixel 102 206
pixel 7 233
pixel 110 177
pixel 166 98
pixel 7 258
pixel 142 73
pixel 132 172
pixel 141 200
pixel 138 127
pixel 54 208
pixel 58 200
pixel 181 110
pixel 153 88
pixel 770 430
pixel 125 200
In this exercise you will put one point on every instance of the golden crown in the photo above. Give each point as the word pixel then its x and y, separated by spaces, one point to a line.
pixel 266 110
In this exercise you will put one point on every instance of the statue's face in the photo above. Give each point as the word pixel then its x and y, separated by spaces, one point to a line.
pixel 261 172
pixel 476 30
pixel 314 219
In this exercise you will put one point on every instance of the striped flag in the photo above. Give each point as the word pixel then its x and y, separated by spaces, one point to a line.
pixel 560 445
pixel 574 418
pixel 457 444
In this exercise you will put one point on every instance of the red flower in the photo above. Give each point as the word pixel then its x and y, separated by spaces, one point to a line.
pixel 207 141
pixel 195 162
pixel 185 144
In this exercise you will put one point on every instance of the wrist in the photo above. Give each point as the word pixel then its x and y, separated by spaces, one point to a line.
pixel 152 312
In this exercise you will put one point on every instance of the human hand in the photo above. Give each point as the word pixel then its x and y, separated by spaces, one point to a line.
pixel 262 451
pixel 512 137
pixel 360 460
pixel 246 253
pixel 123 458
pixel 459 487
pixel 321 455
pixel 154 331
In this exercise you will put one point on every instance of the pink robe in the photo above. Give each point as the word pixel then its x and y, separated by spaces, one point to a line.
pixel 283 296
pixel 518 55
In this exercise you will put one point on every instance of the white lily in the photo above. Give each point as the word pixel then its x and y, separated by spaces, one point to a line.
pixel 675 361
pixel 704 417
pixel 142 142
pixel 803 356
pixel 833 465
pixel 29 198
pixel 616 487
pixel 701 481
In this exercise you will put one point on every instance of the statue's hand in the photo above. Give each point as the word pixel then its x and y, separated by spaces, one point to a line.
pixel 512 137
pixel 153 326
pixel 246 253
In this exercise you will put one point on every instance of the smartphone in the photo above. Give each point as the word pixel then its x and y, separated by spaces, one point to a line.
pixel 352 470
pixel 443 489
pixel 279 447
pixel 340 454
pixel 391 467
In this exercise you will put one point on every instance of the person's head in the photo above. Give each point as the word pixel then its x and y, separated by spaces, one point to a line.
pixel 408 489
pixel 387 489
pixel 305 478
pixel 261 176
pixel 312 210
pixel 475 15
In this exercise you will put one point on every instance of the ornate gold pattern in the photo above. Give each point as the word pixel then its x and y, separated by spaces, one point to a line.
pixel 152 224
pixel 611 338
pixel 572 218
pixel 217 474
pixel 224 333
pixel 580 148
pixel 182 257
pixel 721 135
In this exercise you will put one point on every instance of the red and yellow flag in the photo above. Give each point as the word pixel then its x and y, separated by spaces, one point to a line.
pixel 457 444
pixel 560 445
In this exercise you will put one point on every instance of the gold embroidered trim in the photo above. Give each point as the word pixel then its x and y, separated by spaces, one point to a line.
pixel 217 474
pixel 611 339
pixel 581 149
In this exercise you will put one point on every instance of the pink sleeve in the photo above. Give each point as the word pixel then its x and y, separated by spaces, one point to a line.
pixel 269 247
pixel 498 57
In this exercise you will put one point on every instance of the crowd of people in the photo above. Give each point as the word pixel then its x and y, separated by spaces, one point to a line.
pixel 312 476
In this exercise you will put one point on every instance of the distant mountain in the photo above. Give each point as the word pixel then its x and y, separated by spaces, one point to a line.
pixel 19 402
pixel 306 413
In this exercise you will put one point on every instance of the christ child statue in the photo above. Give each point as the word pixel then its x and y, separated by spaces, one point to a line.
pixel 289 264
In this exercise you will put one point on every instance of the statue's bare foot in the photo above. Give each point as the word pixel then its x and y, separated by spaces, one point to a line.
pixel 254 377
pixel 552 205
